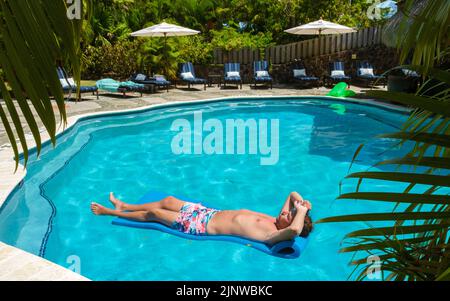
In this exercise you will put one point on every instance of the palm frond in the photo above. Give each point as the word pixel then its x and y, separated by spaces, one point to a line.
pixel 412 242
pixel 34 35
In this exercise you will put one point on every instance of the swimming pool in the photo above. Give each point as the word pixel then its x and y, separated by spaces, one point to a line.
pixel 131 154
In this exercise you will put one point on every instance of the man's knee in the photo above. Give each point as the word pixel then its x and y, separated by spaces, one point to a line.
pixel 167 201
pixel 153 214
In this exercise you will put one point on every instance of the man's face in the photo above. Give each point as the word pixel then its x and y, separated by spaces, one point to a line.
pixel 284 219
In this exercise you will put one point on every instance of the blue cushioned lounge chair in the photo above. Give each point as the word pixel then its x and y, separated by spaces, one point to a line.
pixel 186 68
pixel 300 76
pixel 232 78
pixel 157 81
pixel 365 74
pixel 334 78
pixel 69 85
pixel 259 66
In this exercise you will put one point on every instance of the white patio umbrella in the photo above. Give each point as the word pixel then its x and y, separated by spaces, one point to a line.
pixel 164 30
pixel 320 27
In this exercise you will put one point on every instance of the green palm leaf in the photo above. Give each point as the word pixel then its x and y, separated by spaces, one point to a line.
pixel 434 162
pixel 381 244
pixel 416 178
pixel 383 231
pixel 412 243
pixel 34 35
pixel 391 216
pixel 445 276
pixel 435 139
pixel 396 197
pixel 431 105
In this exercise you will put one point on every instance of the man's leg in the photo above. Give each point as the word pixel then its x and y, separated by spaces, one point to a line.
pixel 159 215
pixel 169 203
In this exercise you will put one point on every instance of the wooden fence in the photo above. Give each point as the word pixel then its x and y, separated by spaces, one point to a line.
pixel 324 45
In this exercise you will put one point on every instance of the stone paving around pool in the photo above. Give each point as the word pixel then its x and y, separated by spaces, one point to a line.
pixel 18 265
pixel 21 265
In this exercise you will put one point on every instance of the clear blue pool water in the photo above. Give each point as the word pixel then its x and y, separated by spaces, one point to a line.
pixel 130 154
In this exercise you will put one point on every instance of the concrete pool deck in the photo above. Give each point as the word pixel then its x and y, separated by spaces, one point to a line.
pixel 25 266
pixel 18 265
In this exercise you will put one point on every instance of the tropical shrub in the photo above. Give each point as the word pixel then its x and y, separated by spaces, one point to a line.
pixel 230 38
pixel 195 49
pixel 117 60
pixel 227 24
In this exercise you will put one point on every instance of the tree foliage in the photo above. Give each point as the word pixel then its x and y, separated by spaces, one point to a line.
pixel 227 24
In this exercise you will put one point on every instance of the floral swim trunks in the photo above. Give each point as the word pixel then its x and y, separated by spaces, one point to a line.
pixel 193 218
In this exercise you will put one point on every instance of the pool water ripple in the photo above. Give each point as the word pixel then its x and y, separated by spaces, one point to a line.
pixel 130 155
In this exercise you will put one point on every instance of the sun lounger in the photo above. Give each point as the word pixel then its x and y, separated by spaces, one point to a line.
pixel 261 73
pixel 337 74
pixel 68 83
pixel 156 81
pixel 232 74
pixel 300 76
pixel 187 75
pixel 365 74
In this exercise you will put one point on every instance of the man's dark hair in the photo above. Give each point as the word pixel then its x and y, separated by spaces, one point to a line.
pixel 307 226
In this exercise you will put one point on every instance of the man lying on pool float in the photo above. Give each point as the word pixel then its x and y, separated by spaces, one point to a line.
pixel 197 219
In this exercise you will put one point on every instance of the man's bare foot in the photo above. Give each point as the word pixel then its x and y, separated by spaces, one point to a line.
pixel 98 209
pixel 118 204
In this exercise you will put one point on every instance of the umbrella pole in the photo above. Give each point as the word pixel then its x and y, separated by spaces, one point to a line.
pixel 320 33
pixel 165 54
pixel 318 56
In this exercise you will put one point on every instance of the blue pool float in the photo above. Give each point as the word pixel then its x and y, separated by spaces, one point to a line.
pixel 286 249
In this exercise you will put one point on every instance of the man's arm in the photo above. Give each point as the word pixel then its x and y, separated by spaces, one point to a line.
pixel 289 203
pixel 294 229
pixel 281 235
